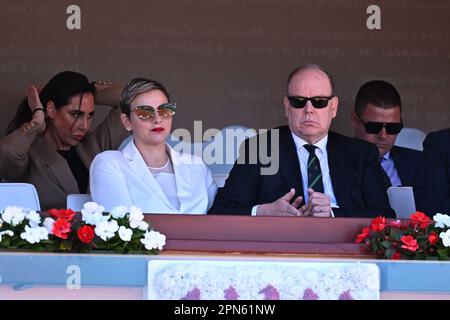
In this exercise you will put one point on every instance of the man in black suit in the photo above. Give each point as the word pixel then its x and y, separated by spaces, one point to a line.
pixel 434 192
pixel 320 173
pixel 377 119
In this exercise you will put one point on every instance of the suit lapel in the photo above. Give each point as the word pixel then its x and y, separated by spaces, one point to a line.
pixel 338 165
pixel 400 167
pixel 183 179
pixel 55 165
pixel 140 169
pixel 289 162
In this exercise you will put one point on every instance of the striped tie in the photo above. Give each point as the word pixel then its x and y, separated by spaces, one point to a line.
pixel 314 172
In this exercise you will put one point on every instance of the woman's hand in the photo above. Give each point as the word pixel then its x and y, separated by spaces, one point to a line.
pixel 36 107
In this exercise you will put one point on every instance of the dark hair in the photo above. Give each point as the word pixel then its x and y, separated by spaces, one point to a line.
pixel 137 86
pixel 307 67
pixel 379 93
pixel 59 90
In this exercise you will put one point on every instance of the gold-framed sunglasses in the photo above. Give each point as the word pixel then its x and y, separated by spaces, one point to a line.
pixel 166 110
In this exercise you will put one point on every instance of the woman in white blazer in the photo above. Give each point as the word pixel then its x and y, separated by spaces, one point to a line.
pixel 148 173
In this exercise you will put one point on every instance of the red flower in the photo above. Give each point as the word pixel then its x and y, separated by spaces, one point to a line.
pixel 396 256
pixel 61 227
pixel 378 224
pixel 86 234
pixel 395 224
pixel 420 219
pixel 363 235
pixel 433 238
pixel 63 213
pixel 409 243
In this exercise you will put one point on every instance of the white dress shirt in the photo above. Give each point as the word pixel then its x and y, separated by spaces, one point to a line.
pixel 388 164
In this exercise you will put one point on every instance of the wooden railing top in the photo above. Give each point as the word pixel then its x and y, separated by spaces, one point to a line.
pixel 246 234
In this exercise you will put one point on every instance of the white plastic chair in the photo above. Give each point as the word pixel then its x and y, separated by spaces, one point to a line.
pixel 220 179
pixel 19 194
pixel 411 138
pixel 76 201
pixel 228 143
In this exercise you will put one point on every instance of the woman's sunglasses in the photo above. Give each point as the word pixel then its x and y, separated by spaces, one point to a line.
pixel 165 110
pixel 317 102
pixel 375 127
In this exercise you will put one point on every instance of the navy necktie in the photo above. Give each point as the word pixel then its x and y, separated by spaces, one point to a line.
pixel 314 172
pixel 386 180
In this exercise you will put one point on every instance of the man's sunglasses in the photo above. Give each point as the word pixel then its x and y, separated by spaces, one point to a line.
pixel 317 102
pixel 165 110
pixel 376 127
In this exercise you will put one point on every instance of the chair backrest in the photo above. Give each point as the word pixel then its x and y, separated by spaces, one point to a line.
pixel 76 201
pixel 124 142
pixel 220 179
pixel 411 138
pixel 19 194
pixel 401 199
pixel 222 150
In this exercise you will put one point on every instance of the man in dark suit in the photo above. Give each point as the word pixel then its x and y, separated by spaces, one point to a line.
pixel 434 192
pixel 320 173
pixel 377 119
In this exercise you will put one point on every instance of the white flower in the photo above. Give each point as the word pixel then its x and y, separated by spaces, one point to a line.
pixel 48 224
pixel 153 240
pixel 445 236
pixel 8 233
pixel 95 218
pixel 34 218
pixel 136 217
pixel 442 220
pixel 125 233
pixel 31 235
pixel 42 233
pixel 91 207
pixel 142 226
pixel 92 213
pixel 106 229
pixel 13 215
pixel 119 212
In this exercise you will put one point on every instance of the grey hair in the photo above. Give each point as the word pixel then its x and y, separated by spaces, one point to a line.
pixel 309 66
pixel 137 86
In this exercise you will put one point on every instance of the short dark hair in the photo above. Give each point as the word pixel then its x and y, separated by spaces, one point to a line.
pixel 379 93
pixel 307 67
pixel 137 86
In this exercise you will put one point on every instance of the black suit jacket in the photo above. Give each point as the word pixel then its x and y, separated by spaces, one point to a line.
pixel 434 189
pixel 354 169
pixel 407 163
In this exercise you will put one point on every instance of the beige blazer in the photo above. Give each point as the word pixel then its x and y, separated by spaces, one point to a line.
pixel 27 157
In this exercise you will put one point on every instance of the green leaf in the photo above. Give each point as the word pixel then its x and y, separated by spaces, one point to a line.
pixel 443 253
pixel 65 245
pixel 386 244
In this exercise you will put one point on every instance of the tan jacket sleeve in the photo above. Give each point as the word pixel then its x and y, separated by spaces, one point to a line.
pixel 14 147
pixel 110 133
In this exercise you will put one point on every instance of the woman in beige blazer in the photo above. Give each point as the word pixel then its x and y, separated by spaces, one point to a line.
pixel 48 143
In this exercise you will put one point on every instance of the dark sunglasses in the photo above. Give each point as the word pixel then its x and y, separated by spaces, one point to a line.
pixel 317 102
pixel 376 127
pixel 165 110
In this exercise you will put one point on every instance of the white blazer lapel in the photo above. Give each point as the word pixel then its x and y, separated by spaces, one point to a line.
pixel 183 179
pixel 139 167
